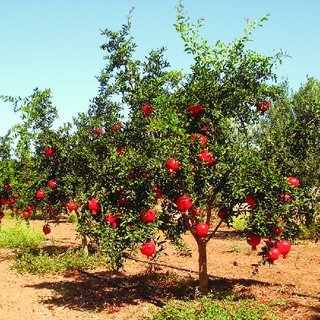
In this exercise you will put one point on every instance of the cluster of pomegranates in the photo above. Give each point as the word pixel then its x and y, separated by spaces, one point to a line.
pixel 263 107
pixel 100 131
pixel 8 198
pixel 274 248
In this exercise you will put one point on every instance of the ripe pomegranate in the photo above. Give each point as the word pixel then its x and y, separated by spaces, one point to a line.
pixel 294 181
pixel 46 229
pixel 206 156
pixel 147 110
pixel 72 206
pixel 276 230
pixel 148 216
pixel 173 164
pixel 15 196
pixel 184 203
pixel 196 211
pixel 11 202
pixel 270 242
pixel 284 247
pixel 123 202
pixel 250 200
pixel 202 229
pixel 273 254
pixel 111 219
pixel 199 137
pixel 51 211
pixel 26 214
pixel 286 197
pixel 253 240
pixel 158 192
pixel 94 206
pixel 222 213
pixel 204 129
pixel 49 151
pixel 263 107
pixel 98 131
pixel 40 194
pixel 52 184
pixel 148 249
pixel 116 127
pixel 121 150
pixel 3 201
pixel 195 110
pixel 7 187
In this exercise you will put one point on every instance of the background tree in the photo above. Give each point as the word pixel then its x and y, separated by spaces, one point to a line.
pixel 293 127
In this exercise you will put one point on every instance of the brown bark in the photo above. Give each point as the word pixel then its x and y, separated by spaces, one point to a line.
pixel 84 240
pixel 203 272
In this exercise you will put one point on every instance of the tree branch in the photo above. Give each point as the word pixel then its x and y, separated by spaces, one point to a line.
pixel 214 231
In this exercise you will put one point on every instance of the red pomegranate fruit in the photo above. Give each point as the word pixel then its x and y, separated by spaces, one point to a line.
pixel 253 240
pixel 148 249
pixel 148 215
pixel 202 229
pixel 184 203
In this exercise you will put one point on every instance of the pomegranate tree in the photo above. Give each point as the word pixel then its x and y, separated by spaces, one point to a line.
pixel 203 153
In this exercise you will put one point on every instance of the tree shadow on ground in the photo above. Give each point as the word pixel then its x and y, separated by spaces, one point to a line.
pixel 98 290
pixel 301 310
pixel 82 292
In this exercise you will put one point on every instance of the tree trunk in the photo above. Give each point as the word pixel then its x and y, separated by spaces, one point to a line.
pixel 84 238
pixel 85 243
pixel 203 272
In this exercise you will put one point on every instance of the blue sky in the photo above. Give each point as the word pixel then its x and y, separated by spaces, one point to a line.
pixel 55 44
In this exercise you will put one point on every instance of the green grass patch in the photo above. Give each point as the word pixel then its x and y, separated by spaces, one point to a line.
pixel 8 217
pixel 207 308
pixel 240 222
pixel 42 261
pixel 20 235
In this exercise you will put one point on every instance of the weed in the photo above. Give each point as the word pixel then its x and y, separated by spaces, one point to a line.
pixel 234 247
pixel 20 235
pixel 40 261
pixel 207 308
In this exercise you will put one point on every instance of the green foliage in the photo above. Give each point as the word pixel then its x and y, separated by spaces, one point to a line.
pixel 122 164
pixel 41 261
pixel 20 235
pixel 292 128
pixel 207 308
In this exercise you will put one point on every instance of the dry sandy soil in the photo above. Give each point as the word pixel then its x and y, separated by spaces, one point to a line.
pixel 292 285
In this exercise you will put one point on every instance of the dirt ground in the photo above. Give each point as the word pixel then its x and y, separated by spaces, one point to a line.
pixel 291 286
